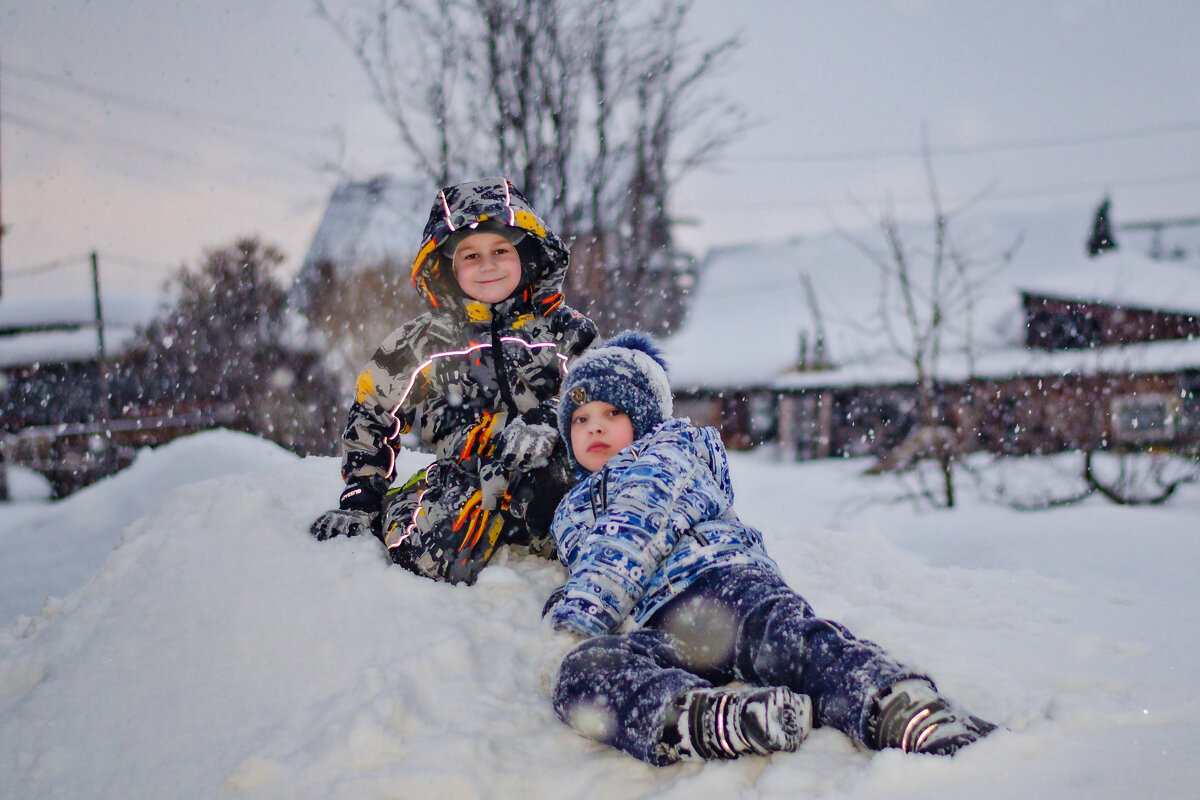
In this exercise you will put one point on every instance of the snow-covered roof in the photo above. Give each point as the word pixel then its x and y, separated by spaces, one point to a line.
pixel 1125 278
pixel 751 308
pixel 1147 357
pixel 62 329
pixel 119 308
pixel 366 223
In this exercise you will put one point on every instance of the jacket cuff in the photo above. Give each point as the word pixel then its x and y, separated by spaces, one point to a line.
pixel 555 597
pixel 582 618
pixel 361 497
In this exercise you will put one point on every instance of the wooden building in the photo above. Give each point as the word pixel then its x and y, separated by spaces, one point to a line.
pixel 1097 353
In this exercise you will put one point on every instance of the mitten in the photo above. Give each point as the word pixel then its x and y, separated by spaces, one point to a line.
pixel 358 512
pixel 524 446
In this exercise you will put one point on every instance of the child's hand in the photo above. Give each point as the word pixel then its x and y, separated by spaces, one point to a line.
pixel 523 447
pixel 358 512
pixel 343 522
pixel 493 486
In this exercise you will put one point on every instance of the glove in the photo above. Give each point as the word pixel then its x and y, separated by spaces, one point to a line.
pixel 343 522
pixel 358 512
pixel 524 446
pixel 493 484
pixel 556 645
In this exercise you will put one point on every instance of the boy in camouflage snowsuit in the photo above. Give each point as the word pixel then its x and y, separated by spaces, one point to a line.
pixel 477 376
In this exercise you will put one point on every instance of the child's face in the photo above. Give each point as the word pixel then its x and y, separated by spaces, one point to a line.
pixel 487 267
pixel 598 432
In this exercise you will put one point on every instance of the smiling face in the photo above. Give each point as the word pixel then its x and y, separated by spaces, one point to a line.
pixel 598 432
pixel 487 267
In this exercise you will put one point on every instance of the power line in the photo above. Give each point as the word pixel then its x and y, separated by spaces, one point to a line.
pixel 1098 186
pixel 156 107
pixel 139 263
pixel 94 137
pixel 1062 190
pixel 988 148
pixel 140 148
pixel 77 131
pixel 86 134
pixel 47 266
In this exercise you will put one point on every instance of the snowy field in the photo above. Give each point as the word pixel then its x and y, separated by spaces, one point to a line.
pixel 174 632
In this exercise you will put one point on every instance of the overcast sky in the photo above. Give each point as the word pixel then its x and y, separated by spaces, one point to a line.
pixel 150 130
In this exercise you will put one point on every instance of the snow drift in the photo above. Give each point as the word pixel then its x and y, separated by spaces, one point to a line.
pixel 198 643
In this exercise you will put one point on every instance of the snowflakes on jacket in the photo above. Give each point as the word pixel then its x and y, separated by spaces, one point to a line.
pixel 640 530
pixel 458 373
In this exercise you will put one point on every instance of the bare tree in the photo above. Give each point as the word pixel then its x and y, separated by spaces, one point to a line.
pixel 666 77
pixel 1127 478
pixel 347 312
pixel 226 341
pixel 595 107
pixel 1151 480
pixel 411 54
pixel 927 295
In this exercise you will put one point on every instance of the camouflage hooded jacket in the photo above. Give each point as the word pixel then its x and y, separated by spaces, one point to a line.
pixel 459 372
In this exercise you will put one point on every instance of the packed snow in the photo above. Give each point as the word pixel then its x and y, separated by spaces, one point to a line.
pixel 174 631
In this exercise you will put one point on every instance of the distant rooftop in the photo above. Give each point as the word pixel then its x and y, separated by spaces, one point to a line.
pixel 365 224
pixel 63 330
pixel 751 308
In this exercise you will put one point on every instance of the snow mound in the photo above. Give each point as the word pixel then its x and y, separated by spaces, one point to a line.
pixel 220 651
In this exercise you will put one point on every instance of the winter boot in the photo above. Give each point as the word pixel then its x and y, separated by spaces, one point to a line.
pixel 727 723
pixel 913 717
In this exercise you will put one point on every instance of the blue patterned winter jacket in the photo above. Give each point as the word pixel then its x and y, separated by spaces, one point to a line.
pixel 638 532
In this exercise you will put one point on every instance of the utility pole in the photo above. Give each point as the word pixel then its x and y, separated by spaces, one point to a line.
pixel 3 471
pixel 1 215
pixel 103 389
pixel 99 313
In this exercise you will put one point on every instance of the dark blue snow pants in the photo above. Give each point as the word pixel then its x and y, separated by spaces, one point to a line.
pixel 734 623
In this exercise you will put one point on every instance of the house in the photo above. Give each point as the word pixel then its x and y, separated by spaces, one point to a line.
pixel 366 224
pixel 62 412
pixel 51 349
pixel 51 377
pixel 783 345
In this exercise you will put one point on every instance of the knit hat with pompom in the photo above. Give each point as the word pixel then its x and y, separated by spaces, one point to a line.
pixel 628 372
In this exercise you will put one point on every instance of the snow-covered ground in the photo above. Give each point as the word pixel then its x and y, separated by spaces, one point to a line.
pixel 198 643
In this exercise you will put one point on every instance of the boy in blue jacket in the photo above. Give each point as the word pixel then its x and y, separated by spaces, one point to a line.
pixel 670 598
